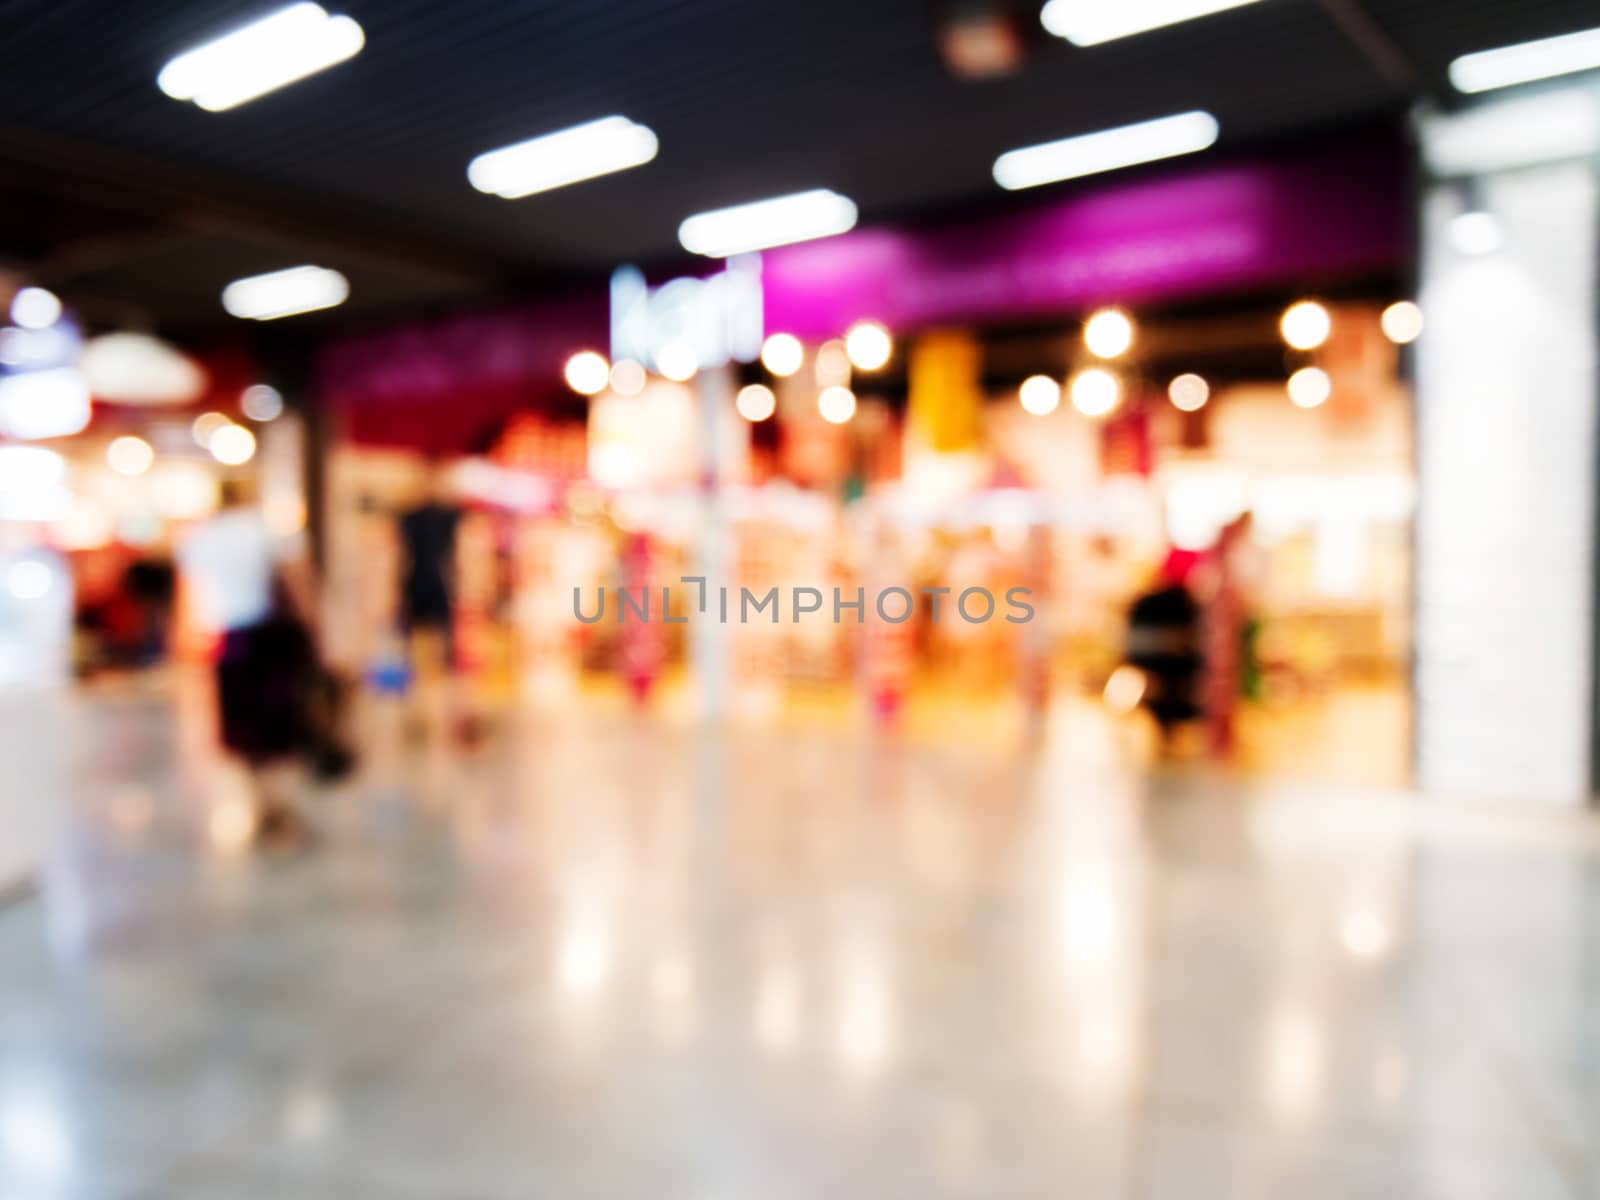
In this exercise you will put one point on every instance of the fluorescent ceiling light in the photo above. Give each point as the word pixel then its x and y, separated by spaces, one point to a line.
pixel 568 156
pixel 1527 61
pixel 261 57
pixel 1107 150
pixel 766 223
pixel 285 293
pixel 1090 22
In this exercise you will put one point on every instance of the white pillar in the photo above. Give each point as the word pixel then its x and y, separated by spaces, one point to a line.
pixel 709 639
pixel 1506 448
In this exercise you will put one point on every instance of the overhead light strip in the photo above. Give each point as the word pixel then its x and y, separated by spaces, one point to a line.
pixel 1107 150
pixel 279 49
pixel 1091 22
pixel 1527 62
pixel 567 156
pixel 766 223
pixel 285 293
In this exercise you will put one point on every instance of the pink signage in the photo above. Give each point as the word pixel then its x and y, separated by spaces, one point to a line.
pixel 1204 229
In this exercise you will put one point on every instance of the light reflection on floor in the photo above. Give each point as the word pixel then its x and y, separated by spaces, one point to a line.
pixel 609 957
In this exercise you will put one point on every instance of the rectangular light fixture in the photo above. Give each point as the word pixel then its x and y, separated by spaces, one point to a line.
pixel 44 404
pixel 766 223
pixel 1091 153
pixel 1090 22
pixel 280 48
pixel 567 156
pixel 285 293
pixel 1526 62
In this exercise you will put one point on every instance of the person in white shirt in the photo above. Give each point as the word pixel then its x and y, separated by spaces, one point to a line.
pixel 258 592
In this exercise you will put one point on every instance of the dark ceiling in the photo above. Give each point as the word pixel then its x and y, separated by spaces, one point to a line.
pixel 138 208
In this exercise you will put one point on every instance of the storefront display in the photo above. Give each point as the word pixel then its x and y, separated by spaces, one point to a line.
pixel 879 440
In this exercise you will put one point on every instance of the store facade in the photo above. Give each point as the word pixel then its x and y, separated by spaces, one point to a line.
pixel 938 473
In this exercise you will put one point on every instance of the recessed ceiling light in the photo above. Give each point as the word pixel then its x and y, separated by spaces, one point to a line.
pixel 1527 61
pixel 261 57
pixel 1090 22
pixel 285 293
pixel 35 308
pixel 554 160
pixel 1107 150
pixel 766 223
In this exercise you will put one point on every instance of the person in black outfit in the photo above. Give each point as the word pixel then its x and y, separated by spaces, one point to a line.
pixel 1164 643
pixel 427 586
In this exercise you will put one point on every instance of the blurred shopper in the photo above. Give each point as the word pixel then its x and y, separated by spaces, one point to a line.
pixel 257 590
pixel 428 600
pixel 1164 643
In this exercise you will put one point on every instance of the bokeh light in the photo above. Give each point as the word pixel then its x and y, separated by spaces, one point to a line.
pixel 755 402
pixel 1402 322
pixel 262 402
pixel 677 361
pixel 1305 325
pixel 868 345
pixel 1040 395
pixel 1188 392
pixel 1108 333
pixel 836 404
pixel 35 308
pixel 587 373
pixel 1096 392
pixel 1310 387
pixel 130 455
pixel 206 424
pixel 628 377
pixel 232 445
pixel 782 354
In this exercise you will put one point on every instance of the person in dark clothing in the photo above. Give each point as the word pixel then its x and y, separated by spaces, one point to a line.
pixel 236 569
pixel 428 533
pixel 428 593
pixel 1164 643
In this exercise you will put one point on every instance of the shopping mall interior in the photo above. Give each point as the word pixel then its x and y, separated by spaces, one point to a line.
pixel 693 599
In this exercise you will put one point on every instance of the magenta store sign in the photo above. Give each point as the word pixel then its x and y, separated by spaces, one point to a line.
pixel 1207 229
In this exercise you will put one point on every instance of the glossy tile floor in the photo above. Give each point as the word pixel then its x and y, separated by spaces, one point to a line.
pixel 605 958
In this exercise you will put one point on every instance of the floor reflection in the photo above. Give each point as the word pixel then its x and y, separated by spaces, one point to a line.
pixel 606 957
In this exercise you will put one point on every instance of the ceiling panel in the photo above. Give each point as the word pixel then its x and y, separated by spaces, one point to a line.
pixel 749 98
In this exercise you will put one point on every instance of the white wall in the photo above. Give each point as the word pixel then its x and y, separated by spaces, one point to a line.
pixel 1506 444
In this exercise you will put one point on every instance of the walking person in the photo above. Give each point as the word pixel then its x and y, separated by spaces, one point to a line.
pixel 428 603
pixel 257 590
